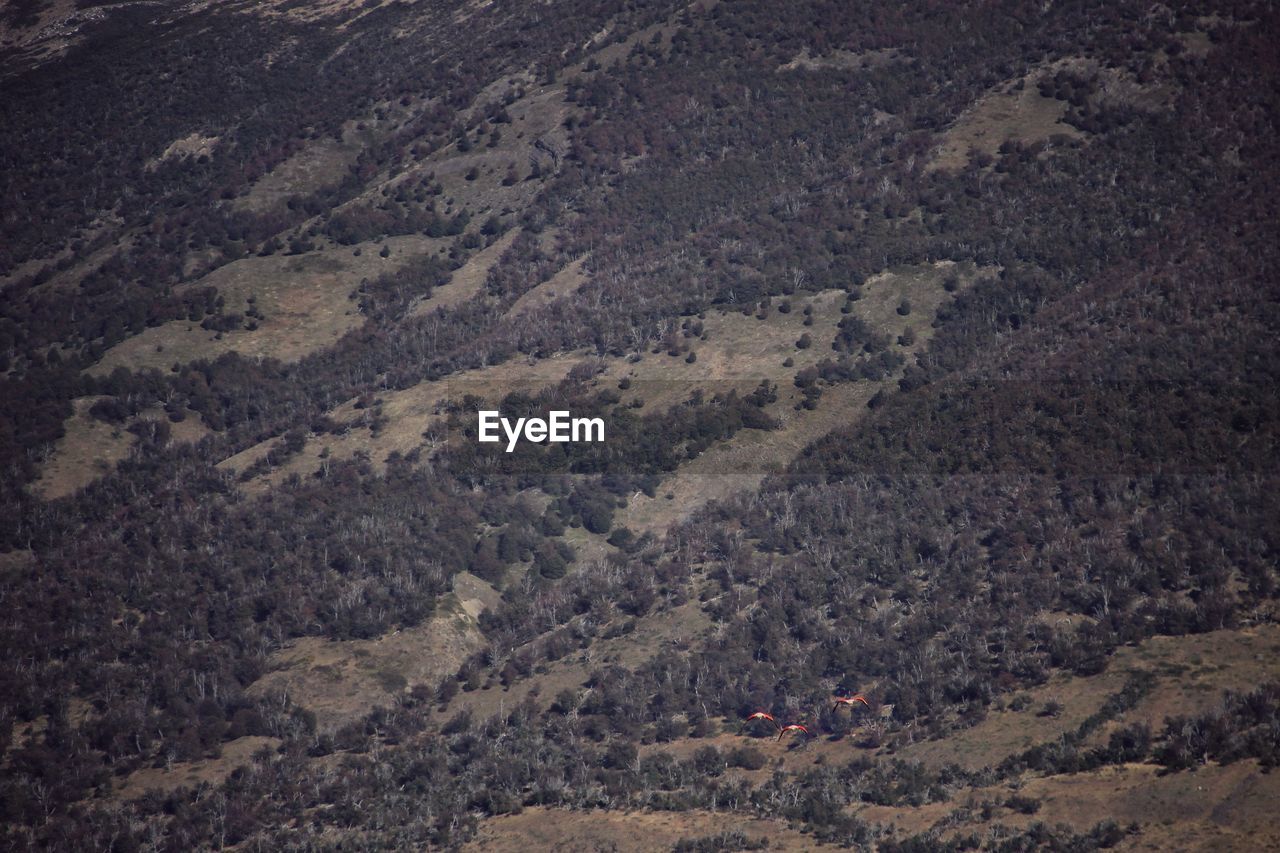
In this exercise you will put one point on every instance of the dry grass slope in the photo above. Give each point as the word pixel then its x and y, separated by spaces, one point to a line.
pixel 305 300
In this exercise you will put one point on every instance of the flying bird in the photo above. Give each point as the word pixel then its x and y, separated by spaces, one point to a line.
pixel 849 700
pixel 794 727
pixel 761 715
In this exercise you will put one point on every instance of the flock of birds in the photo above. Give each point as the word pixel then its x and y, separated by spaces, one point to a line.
pixel 797 728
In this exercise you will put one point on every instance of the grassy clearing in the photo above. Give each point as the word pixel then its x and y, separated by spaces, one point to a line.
pixel 1016 110
pixel 340 681
pixel 1214 807
pixel 467 280
pixel 57 28
pixel 1004 113
pixel 736 351
pixel 664 631
pixel 89 449
pixel 474 595
pixel 1196 669
pixel 562 284
pixel 305 299
pixel 191 145
pixel 744 350
pixel 556 829
pixel 841 59
pixel 477 180
pixel 1191 671
pixel 408 413
pixel 192 774
pixel 321 164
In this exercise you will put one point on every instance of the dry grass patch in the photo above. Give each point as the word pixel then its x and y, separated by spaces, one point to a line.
pixel 57 28
pixel 340 681
pixel 1017 111
pixel 739 352
pixel 321 164
pixel 740 464
pixel 88 449
pixel 562 830
pixel 1191 672
pixel 467 280
pixel 305 300
pixel 841 59
pixel 538 116
pixel 476 180
pixel 562 284
pixel 1006 113
pixel 1215 808
pixel 1196 669
pixel 664 632
pixel 192 774
pixel 191 145
pixel 1004 733
pixel 474 595
pixel 407 415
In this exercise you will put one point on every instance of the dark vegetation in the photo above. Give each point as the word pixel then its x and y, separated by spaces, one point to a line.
pixel 1092 429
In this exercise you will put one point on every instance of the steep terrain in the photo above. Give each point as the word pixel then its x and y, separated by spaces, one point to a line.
pixel 937 348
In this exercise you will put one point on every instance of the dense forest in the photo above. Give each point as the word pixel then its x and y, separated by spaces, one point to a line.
pixel 1073 456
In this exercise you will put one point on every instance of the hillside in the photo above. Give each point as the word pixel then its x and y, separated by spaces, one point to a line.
pixel 936 346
